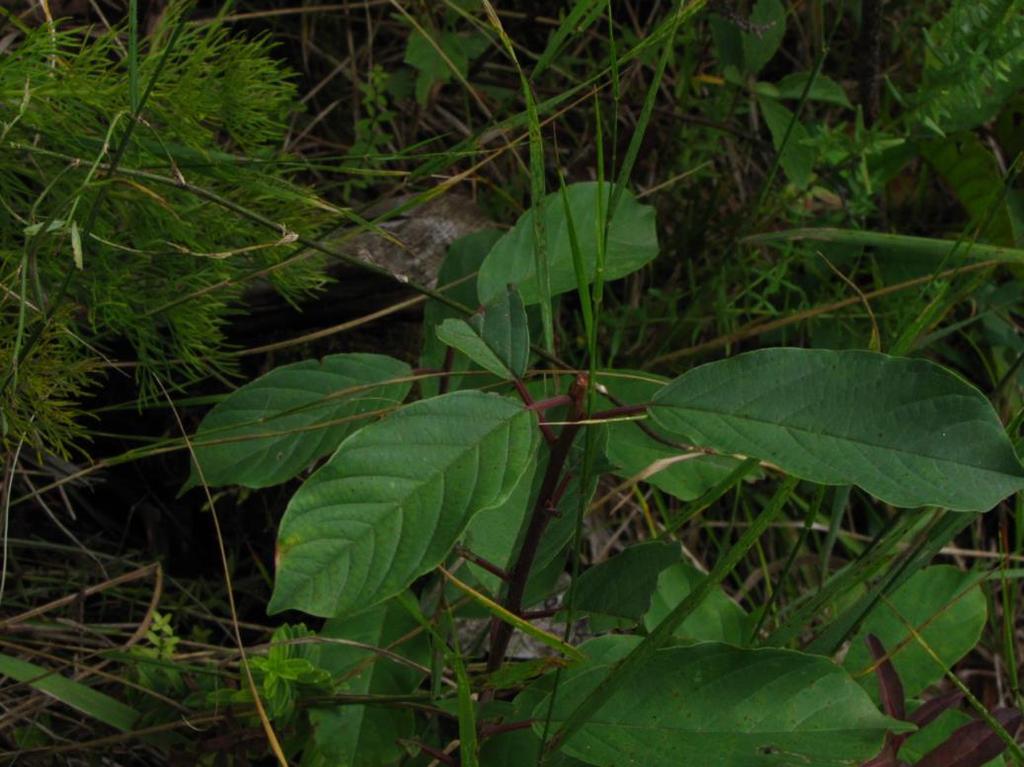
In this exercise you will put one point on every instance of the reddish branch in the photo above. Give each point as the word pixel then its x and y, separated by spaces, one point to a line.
pixel 544 509
pixel 549 437
pixel 486 564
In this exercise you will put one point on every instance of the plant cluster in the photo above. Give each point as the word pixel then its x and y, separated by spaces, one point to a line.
pixel 482 489
pixel 123 174
pixel 544 537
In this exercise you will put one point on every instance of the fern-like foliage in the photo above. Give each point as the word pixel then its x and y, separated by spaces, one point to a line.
pixel 90 253
pixel 38 405
pixel 974 63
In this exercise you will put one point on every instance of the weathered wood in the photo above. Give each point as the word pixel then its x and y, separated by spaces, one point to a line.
pixel 413 248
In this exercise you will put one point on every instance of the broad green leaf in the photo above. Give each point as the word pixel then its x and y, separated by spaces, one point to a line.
pixel 365 736
pixel 715 705
pixel 520 747
pixel 716 619
pixel 946 608
pixel 634 452
pixel 796 158
pixel 622 586
pixel 455 279
pixel 394 499
pixel 971 171
pixel 626 668
pixel 768 19
pixel 905 430
pixel 822 89
pixel 78 696
pixel 632 242
pixel 272 428
pixel 728 46
pixel 498 339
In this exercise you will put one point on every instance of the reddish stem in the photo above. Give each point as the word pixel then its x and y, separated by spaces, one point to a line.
pixel 524 394
pixel 434 753
pixel 476 559
pixel 617 412
pixel 531 615
pixel 645 428
pixel 489 731
pixel 546 404
pixel 543 511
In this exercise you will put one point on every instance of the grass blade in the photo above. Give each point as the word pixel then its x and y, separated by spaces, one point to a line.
pixel 537 186
pixel 523 625
pixel 900 243
pixel 78 696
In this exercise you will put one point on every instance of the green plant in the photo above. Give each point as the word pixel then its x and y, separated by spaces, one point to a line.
pixel 974 63
pixel 454 530
pixel 97 249
pixel 473 496
pixel 372 131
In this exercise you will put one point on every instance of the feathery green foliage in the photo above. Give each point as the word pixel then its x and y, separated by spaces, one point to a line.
pixel 148 262
pixel 974 63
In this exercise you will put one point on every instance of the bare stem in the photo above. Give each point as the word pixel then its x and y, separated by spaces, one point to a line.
pixel 479 561
pixel 544 509
pixel 524 394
